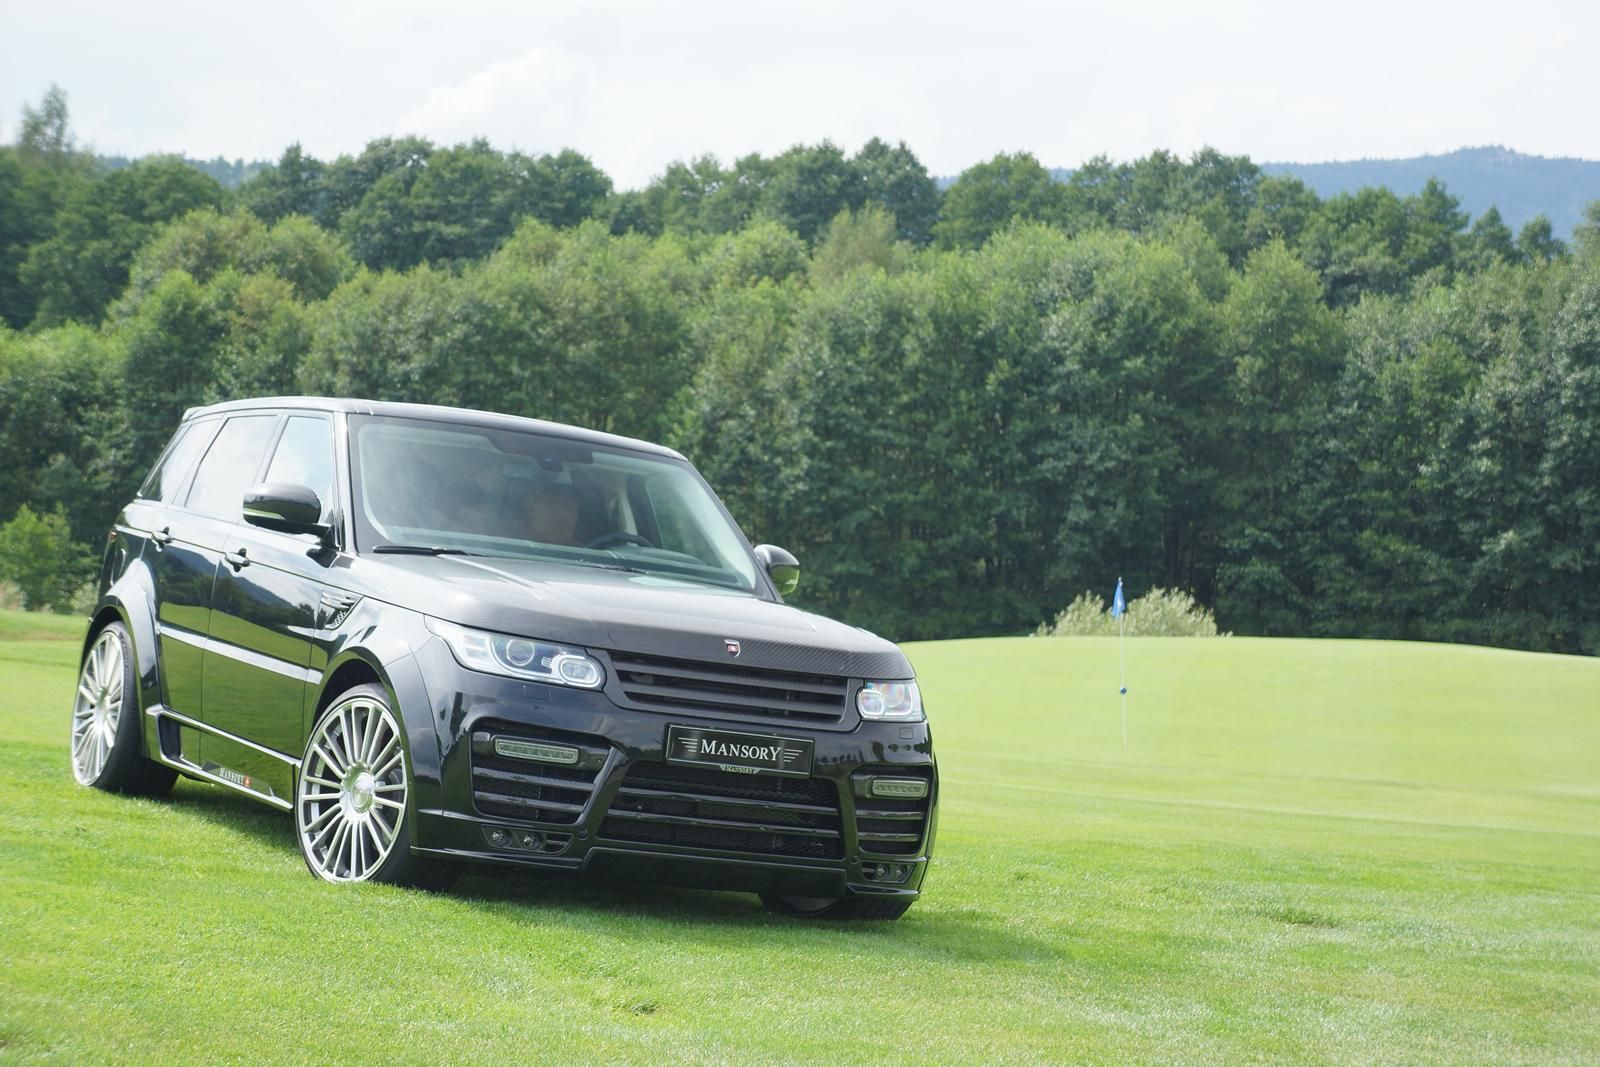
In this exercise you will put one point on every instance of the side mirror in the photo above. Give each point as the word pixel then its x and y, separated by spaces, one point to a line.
pixel 783 568
pixel 285 507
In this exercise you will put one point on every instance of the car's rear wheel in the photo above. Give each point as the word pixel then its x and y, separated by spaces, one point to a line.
pixel 352 811
pixel 883 908
pixel 107 745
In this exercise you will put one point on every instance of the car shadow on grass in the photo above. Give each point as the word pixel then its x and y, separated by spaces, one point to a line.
pixel 723 917
pixel 533 898
pixel 234 811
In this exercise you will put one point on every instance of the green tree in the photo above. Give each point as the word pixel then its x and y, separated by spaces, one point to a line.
pixel 1283 208
pixel 264 334
pixel 562 189
pixel 45 133
pixel 737 419
pixel 895 180
pixel 762 250
pixel 1357 244
pixel 1490 241
pixel 1286 350
pixel 1586 235
pixel 857 239
pixel 809 185
pixel 57 424
pixel 170 365
pixel 296 185
pixel 207 243
pixel 37 175
pixel 39 557
pixel 1537 241
pixel 987 196
pixel 465 202
pixel 83 265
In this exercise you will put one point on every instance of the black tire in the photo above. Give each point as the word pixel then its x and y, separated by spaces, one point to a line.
pixel 119 765
pixel 883 909
pixel 359 757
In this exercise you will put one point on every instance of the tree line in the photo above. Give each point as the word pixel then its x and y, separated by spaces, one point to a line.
pixel 1362 416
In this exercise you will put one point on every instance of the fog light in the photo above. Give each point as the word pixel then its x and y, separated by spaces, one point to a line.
pixel 898 788
pixel 498 837
pixel 530 840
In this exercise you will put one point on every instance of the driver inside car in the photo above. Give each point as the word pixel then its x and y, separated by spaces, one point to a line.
pixel 550 513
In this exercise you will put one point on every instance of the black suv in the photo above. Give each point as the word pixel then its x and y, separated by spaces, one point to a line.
pixel 436 634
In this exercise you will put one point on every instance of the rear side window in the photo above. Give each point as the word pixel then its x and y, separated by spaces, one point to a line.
pixel 178 460
pixel 230 466
pixel 304 456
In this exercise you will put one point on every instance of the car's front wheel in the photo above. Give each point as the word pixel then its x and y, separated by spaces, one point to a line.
pixel 351 811
pixel 107 745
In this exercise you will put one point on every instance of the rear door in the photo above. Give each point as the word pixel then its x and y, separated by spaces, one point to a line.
pixel 264 616
pixel 182 567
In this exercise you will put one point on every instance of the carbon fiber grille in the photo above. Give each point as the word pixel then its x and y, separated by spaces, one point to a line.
pixel 698 807
pixel 659 683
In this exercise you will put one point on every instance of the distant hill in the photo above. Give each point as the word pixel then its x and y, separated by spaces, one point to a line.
pixel 1521 186
pixel 229 174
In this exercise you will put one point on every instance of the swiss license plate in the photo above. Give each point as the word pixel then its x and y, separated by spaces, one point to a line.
pixel 739 752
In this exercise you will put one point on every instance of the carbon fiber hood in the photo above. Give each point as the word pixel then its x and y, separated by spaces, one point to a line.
pixel 621 611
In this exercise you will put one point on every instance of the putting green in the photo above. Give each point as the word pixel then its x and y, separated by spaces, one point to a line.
pixel 1310 850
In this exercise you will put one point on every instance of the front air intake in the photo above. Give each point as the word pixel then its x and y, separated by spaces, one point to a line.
pixel 533 777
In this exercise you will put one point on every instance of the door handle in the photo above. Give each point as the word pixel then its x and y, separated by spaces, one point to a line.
pixel 237 560
pixel 162 536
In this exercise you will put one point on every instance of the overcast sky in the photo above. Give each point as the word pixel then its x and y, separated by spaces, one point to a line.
pixel 635 85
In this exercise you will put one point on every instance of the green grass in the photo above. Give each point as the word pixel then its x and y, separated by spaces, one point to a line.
pixel 1311 851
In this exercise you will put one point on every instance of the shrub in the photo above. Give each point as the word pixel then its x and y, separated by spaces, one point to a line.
pixel 39 557
pixel 1159 613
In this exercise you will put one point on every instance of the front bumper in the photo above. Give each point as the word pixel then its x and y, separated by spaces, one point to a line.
pixel 624 811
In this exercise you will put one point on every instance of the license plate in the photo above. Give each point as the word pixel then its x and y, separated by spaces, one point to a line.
pixel 741 753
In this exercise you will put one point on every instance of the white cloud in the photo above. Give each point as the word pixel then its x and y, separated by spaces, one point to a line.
pixel 636 84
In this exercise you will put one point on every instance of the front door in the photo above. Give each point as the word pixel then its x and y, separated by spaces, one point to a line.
pixel 264 615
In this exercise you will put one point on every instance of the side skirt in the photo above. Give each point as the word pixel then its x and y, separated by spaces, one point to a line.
pixel 167 721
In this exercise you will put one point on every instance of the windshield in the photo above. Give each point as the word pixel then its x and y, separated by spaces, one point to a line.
pixel 426 486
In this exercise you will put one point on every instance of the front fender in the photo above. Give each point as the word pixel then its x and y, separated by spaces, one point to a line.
pixel 387 652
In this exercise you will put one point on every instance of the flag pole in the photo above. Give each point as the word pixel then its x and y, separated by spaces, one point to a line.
pixel 1122 648
pixel 1119 609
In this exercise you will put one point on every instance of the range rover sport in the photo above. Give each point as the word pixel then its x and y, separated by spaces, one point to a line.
pixel 436 635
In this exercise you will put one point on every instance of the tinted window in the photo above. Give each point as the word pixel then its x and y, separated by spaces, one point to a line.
pixel 305 457
pixel 505 492
pixel 230 466
pixel 175 464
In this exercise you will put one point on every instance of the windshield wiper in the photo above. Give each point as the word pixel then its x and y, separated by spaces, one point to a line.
pixel 603 566
pixel 423 550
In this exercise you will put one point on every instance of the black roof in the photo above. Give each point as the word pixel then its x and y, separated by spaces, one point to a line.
pixel 488 420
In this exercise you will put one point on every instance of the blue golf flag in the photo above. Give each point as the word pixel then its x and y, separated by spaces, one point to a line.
pixel 1117 606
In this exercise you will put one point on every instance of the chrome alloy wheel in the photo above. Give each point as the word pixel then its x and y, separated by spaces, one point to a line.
pixel 97 709
pixel 351 796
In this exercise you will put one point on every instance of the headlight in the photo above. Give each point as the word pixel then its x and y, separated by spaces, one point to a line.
pixel 518 657
pixel 890 701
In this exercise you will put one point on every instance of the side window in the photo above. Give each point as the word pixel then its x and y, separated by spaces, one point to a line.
pixel 678 528
pixel 230 466
pixel 305 457
pixel 177 461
